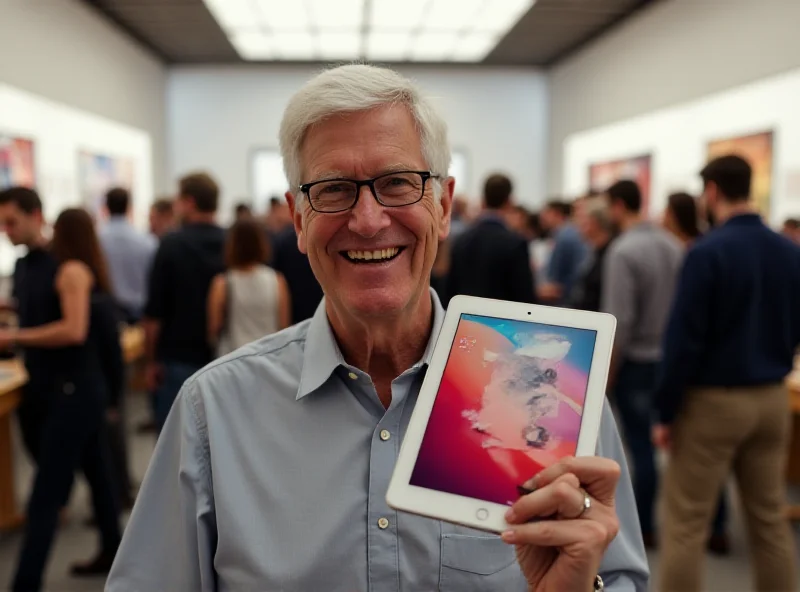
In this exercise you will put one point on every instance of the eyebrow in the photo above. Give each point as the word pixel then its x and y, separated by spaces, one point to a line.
pixel 331 175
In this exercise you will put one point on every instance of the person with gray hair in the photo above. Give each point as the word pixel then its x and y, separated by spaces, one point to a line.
pixel 272 470
pixel 596 227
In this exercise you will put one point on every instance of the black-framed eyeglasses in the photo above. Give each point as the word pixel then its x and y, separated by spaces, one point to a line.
pixel 392 190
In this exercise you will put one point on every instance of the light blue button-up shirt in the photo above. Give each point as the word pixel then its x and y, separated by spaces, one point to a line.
pixel 129 254
pixel 271 475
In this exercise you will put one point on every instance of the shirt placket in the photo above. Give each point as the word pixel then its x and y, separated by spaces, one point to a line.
pixel 383 561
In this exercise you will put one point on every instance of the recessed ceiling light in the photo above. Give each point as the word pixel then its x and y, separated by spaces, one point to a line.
pixel 339 46
pixel 389 47
pixel 433 47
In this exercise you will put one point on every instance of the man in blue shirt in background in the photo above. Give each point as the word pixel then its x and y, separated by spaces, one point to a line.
pixel 568 255
pixel 721 403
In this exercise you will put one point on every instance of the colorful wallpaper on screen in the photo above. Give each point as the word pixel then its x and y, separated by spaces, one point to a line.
pixel 509 404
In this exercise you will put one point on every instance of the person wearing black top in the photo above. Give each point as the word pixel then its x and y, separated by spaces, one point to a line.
pixel 304 289
pixel 722 404
pixel 176 344
pixel 489 259
pixel 75 401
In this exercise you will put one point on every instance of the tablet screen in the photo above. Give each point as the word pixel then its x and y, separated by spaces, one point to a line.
pixel 509 404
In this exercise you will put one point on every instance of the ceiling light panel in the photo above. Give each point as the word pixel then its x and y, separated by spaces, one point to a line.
pixel 501 15
pixel 387 47
pixel 233 14
pixel 335 14
pixel 339 46
pixel 452 15
pixel 396 15
pixel 282 14
pixel 294 46
pixel 474 47
pixel 433 47
pixel 253 45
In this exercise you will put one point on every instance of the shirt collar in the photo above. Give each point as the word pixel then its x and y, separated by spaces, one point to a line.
pixel 322 354
pixel 747 218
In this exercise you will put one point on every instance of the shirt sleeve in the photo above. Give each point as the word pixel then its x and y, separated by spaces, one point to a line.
pixel 560 265
pixel 619 296
pixel 170 538
pixel 158 284
pixel 686 336
pixel 624 567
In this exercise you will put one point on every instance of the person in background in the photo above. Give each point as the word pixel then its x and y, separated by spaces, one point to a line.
pixel 567 255
pixel 517 220
pixel 129 254
pixel 279 458
pixel 34 299
pixel 187 260
pixel 460 219
pixel 491 260
pixel 681 218
pixel 162 217
pixel 791 229
pixel 539 245
pixel 304 289
pixel 76 402
pixel 597 229
pixel 639 276
pixel 722 404
pixel 250 300
pixel 242 211
pixel 278 217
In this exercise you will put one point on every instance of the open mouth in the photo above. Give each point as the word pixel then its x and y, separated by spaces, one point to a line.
pixel 374 256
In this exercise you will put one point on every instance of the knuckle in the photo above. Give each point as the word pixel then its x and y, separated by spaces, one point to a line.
pixel 563 491
pixel 596 534
pixel 546 530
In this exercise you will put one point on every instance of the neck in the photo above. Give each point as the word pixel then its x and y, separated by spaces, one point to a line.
pixel 629 221
pixel 600 241
pixel 726 211
pixel 38 242
pixel 201 218
pixel 383 347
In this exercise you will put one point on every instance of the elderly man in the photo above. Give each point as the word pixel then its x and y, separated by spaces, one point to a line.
pixel 271 472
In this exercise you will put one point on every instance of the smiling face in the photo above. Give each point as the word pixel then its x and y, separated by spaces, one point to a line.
pixel 371 260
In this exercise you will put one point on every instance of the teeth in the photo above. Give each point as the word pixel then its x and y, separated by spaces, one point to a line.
pixel 373 255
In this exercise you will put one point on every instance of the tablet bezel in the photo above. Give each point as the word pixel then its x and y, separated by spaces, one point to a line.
pixel 458 509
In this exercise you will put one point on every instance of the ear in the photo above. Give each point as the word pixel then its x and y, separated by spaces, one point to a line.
pixel 297 219
pixel 446 206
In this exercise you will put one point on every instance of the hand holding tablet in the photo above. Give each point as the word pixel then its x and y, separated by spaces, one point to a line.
pixel 514 393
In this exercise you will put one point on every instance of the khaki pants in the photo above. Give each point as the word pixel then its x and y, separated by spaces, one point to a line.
pixel 719 430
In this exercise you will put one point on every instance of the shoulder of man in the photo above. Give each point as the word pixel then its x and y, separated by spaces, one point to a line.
pixel 272 356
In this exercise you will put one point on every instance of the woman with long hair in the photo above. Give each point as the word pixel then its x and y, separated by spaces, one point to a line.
pixel 251 299
pixel 75 401
pixel 681 217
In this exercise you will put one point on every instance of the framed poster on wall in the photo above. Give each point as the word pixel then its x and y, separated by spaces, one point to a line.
pixel 16 162
pixel 757 150
pixel 638 168
pixel 97 173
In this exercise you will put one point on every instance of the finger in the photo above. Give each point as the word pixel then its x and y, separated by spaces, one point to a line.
pixel 586 537
pixel 561 498
pixel 598 475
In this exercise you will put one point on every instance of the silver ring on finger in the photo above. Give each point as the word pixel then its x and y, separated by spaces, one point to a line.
pixel 587 503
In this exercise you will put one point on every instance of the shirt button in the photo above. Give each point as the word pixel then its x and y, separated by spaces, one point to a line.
pixel 385 435
pixel 383 523
pixel 353 376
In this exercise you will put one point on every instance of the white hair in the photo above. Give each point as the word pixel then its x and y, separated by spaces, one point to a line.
pixel 360 87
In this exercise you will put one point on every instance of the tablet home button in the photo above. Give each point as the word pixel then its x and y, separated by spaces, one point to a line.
pixel 482 514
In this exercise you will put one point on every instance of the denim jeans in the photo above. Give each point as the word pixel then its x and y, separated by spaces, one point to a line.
pixel 634 394
pixel 175 374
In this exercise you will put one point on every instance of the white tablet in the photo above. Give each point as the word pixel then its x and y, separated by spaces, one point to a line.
pixel 511 389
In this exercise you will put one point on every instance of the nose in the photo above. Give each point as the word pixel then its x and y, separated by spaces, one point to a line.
pixel 368 217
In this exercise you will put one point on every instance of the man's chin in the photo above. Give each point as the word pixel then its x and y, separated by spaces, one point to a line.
pixel 376 303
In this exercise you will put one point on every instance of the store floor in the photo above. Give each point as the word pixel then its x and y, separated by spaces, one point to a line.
pixel 76 542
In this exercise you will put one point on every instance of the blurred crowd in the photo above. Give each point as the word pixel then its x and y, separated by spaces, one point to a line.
pixel 201 291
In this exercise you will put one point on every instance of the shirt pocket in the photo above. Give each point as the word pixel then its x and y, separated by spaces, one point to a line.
pixel 477 563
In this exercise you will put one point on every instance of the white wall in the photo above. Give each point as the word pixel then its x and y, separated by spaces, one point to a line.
pixel 64 51
pixel 60 133
pixel 678 136
pixel 218 115
pixel 672 52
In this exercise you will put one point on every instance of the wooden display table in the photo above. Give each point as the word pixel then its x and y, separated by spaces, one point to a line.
pixel 12 378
